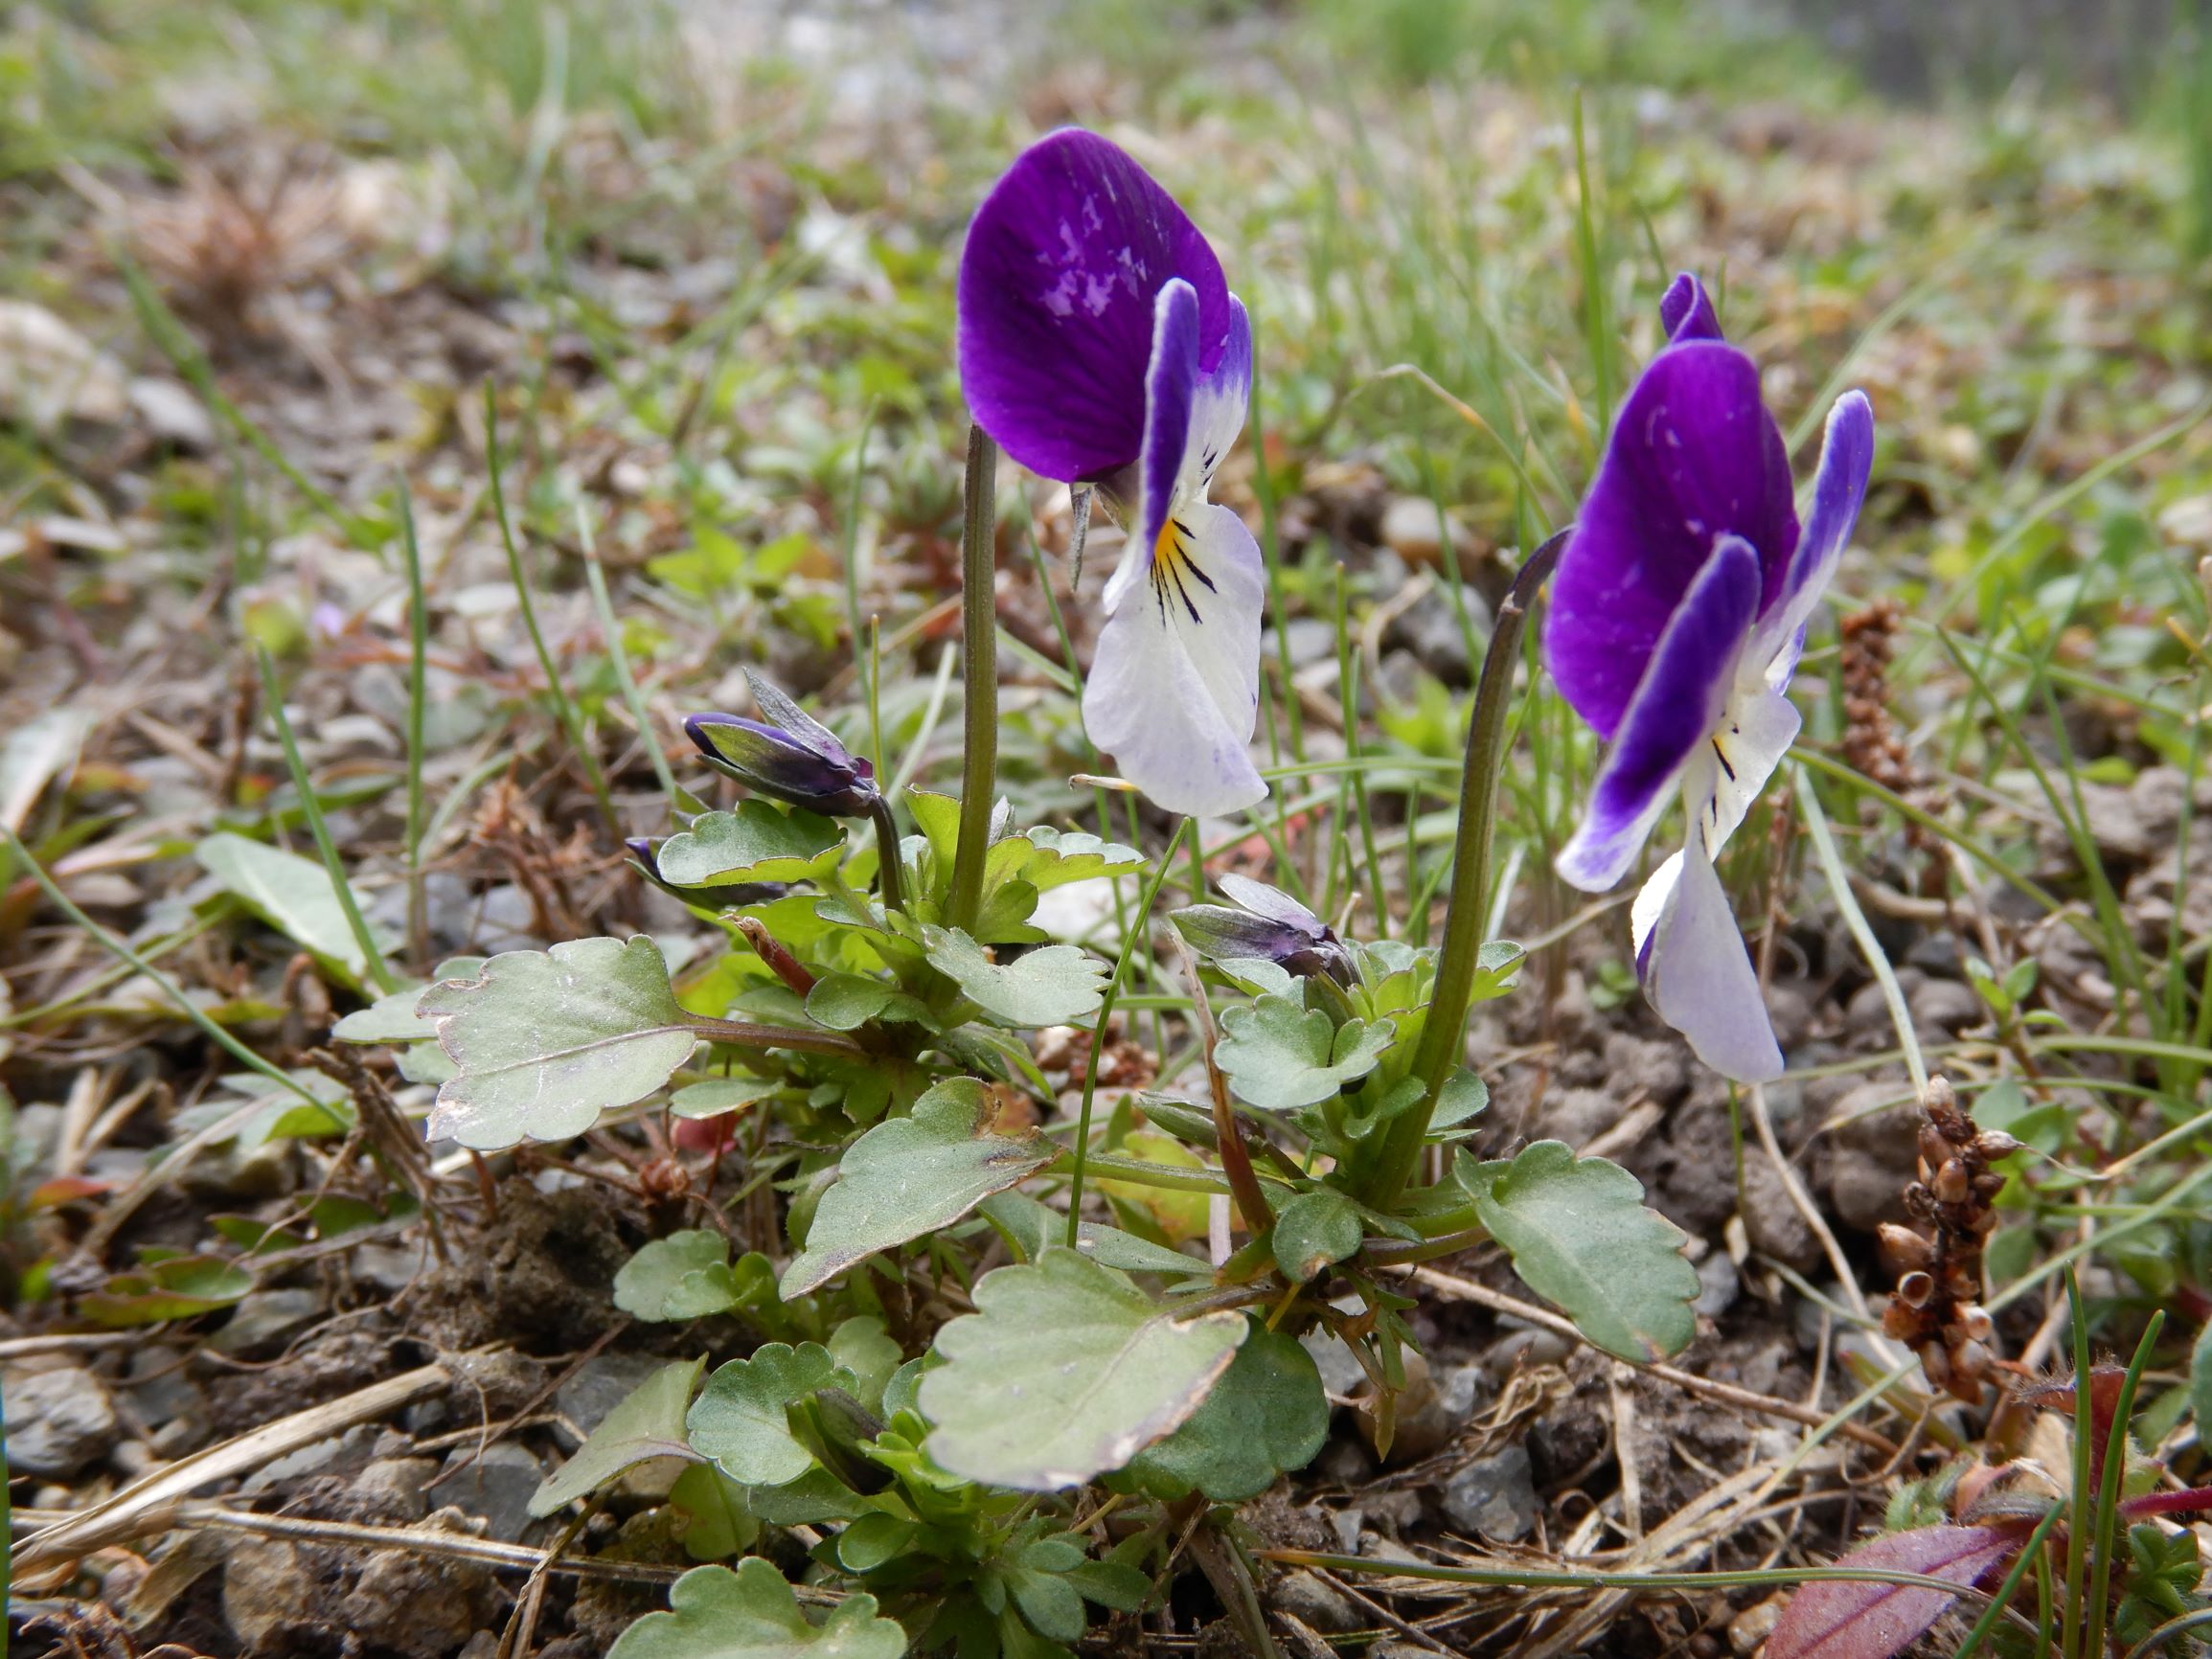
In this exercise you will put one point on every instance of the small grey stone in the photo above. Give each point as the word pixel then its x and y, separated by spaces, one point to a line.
pixel 1935 952
pixel 267 1592
pixel 171 414
pixel 1947 1005
pixel 1866 1017
pixel 1718 1284
pixel 1311 641
pixel 1345 1524
pixel 398 1487
pixel 1770 1218
pixel 1341 1375
pixel 498 1485
pixel 57 1422
pixel 1305 1597
pixel 1494 1497
pixel 263 1316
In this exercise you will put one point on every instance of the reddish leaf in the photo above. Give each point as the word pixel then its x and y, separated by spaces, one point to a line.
pixel 66 1190
pixel 1836 1619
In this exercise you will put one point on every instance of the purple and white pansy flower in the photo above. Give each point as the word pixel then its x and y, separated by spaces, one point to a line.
pixel 1677 618
pixel 1099 343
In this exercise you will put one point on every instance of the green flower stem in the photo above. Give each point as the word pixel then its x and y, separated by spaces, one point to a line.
pixel 1082 1157
pixel 887 854
pixel 746 1035
pixel 1443 1030
pixel 979 632
pixel 1404 1253
pixel 373 959
pixel 1113 1166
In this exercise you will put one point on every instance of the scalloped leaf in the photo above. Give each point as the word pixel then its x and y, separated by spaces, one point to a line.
pixel 544 1041
pixel 758 842
pixel 912 1176
pixel 1057 984
pixel 1267 1416
pixel 1064 1371
pixel 742 1420
pixel 685 1276
pixel 752 1613
pixel 1279 1055
pixel 1581 1235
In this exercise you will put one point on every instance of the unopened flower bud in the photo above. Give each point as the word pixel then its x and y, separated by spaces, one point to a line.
pixel 1267 925
pixel 790 757
pixel 1996 1144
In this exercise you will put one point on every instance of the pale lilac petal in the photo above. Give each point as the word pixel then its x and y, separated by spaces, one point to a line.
pixel 1838 491
pixel 1057 280
pixel 1694 456
pixel 1273 904
pixel 1698 975
pixel 1174 689
pixel 1686 312
pixel 1676 710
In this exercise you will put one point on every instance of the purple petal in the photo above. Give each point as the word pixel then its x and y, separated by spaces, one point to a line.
pixel 1171 391
pixel 1686 312
pixel 1697 975
pixel 1694 456
pixel 1675 710
pixel 1838 491
pixel 1058 281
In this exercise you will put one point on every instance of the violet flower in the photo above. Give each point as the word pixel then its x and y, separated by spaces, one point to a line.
pixel 1677 618
pixel 1099 343
pixel 1269 925
pixel 790 755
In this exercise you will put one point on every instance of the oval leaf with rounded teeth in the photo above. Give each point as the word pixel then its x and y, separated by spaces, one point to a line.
pixel 1279 1055
pixel 1267 1416
pixel 1057 984
pixel 755 843
pixel 752 1613
pixel 912 1176
pixel 742 1418
pixel 547 1040
pixel 1581 1235
pixel 1064 1371
pixel 685 1276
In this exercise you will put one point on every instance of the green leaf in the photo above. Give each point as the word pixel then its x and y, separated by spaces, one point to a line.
pixel 1313 1230
pixel 751 1613
pixel 648 1425
pixel 1465 1098
pixel 291 894
pixel 177 1287
pixel 1057 984
pixel 1267 1416
pixel 849 1001
pixel 547 1040
pixel 864 1348
pixel 1065 1370
pixel 742 1417
pixel 758 842
pixel 389 1020
pixel 685 1276
pixel 1279 1055
pixel 721 1523
pixel 1580 1236
pixel 1497 966
pixel 711 1097
pixel 911 1175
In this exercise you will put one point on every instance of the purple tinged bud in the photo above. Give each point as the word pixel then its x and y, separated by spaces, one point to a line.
pixel 790 757
pixel 1268 924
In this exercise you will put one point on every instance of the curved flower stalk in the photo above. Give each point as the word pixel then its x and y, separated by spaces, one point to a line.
pixel 1677 618
pixel 1099 343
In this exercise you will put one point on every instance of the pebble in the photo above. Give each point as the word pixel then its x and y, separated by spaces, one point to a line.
pixel 1770 1219
pixel 1947 1005
pixel 1494 1497
pixel 1718 1285
pixel 1751 1627
pixel 1305 1597
pixel 267 1592
pixel 57 1422
pixel 498 1485
pixel 600 1385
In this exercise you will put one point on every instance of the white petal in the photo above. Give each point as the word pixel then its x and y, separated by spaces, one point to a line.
pixel 1174 689
pixel 1698 975
pixel 1756 731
